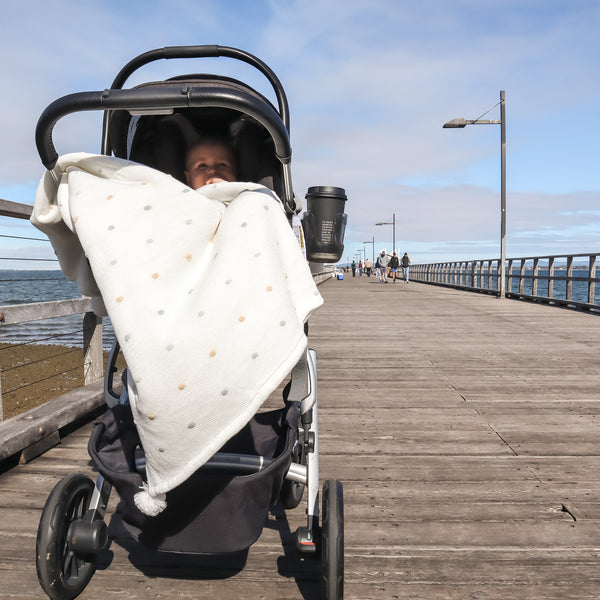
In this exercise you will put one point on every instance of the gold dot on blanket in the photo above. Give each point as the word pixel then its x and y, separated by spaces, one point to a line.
pixel 241 318
pixel 212 353
pixel 154 275
pixel 75 220
pixel 182 386
pixel 269 288
pixel 110 197
pixel 152 416
pixel 188 257
pixel 120 299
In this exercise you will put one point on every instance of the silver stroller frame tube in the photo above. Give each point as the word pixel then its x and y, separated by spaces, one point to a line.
pixel 308 410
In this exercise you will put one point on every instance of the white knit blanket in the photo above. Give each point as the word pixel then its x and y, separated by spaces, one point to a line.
pixel 207 291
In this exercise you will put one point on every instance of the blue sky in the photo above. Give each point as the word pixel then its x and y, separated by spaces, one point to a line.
pixel 370 84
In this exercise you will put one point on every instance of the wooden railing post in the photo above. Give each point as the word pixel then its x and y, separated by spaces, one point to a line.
pixel 1 409
pixel 92 348
pixel 569 286
pixel 591 285
pixel 536 271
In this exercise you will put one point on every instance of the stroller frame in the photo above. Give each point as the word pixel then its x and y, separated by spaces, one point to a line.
pixel 72 531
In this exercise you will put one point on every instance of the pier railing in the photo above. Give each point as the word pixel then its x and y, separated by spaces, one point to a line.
pixel 563 280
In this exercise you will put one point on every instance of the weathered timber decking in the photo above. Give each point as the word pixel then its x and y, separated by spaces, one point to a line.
pixel 466 432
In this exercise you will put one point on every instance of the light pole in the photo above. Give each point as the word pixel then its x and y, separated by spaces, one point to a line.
pixel 373 242
pixel 393 223
pixel 460 123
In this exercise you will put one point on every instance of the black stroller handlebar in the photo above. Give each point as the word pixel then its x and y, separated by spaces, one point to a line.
pixel 207 51
pixel 157 99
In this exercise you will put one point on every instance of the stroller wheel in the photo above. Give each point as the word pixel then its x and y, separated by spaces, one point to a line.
pixel 63 573
pixel 332 541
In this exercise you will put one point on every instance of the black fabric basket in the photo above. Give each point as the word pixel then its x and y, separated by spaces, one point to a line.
pixel 214 511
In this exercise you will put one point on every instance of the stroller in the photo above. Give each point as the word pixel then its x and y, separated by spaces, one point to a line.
pixel 273 460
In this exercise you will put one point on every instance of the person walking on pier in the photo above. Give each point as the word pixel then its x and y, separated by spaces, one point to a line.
pixel 353 265
pixel 360 268
pixel 405 266
pixel 368 267
pixel 384 260
pixel 394 264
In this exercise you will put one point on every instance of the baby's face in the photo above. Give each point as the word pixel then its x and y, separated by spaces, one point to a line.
pixel 209 163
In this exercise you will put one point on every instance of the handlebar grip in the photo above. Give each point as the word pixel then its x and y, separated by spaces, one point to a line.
pixel 141 99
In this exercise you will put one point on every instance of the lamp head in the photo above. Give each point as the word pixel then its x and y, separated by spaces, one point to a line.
pixel 455 123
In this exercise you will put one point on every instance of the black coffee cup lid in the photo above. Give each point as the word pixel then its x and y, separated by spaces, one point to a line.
pixel 328 191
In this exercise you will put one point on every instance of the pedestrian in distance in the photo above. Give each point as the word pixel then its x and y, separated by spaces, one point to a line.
pixel 360 268
pixel 384 260
pixel 394 264
pixel 353 265
pixel 405 266
pixel 368 267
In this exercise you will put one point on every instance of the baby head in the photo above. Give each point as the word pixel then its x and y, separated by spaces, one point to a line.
pixel 209 160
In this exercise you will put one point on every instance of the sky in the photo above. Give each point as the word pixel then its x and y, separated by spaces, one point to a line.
pixel 369 84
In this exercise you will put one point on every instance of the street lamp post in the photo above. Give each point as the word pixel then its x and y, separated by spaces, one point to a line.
pixel 393 223
pixel 373 242
pixel 460 123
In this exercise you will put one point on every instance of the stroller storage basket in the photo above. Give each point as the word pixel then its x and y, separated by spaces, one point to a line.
pixel 214 511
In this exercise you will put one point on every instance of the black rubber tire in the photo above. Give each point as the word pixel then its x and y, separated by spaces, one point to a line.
pixel 332 541
pixel 63 575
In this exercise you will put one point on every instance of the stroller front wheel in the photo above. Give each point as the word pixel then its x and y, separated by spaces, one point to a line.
pixel 332 541
pixel 62 572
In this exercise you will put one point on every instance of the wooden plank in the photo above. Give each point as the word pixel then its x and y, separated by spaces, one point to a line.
pixel 22 313
pixel 34 425
pixel 15 209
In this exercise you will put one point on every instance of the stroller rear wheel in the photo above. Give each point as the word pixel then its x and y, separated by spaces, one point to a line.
pixel 62 572
pixel 332 541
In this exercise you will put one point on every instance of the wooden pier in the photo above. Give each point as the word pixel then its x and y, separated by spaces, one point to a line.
pixel 466 432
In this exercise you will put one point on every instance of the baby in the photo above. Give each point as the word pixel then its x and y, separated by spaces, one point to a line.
pixel 210 160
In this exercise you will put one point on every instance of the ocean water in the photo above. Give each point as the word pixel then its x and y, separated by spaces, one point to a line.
pixel 579 292
pixel 23 287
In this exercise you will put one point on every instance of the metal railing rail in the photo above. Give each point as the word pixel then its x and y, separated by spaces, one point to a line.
pixel 563 279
